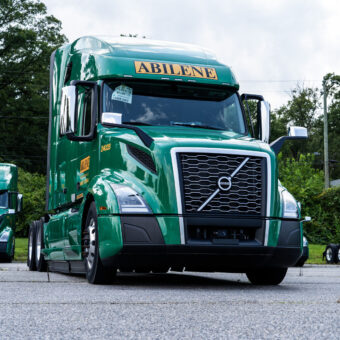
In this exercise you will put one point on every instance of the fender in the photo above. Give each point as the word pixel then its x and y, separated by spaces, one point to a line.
pixel 109 225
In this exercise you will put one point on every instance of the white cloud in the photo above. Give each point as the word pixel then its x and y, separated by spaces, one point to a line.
pixel 262 40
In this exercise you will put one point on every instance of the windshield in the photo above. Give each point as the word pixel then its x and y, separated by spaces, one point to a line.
pixel 3 199
pixel 174 104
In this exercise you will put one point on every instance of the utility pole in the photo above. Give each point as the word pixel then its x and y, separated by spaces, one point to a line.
pixel 325 134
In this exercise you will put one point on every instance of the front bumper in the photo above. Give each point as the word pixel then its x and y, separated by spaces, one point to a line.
pixel 203 258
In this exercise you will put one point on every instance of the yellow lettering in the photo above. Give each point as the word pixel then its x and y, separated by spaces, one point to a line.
pixel 186 70
pixel 197 72
pixel 147 67
pixel 105 147
pixel 210 72
pixel 85 164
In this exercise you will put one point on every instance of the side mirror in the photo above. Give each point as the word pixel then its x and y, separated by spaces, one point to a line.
pixel 71 92
pixel 297 131
pixel 68 110
pixel 263 116
pixel 264 113
pixel 294 132
pixel 19 203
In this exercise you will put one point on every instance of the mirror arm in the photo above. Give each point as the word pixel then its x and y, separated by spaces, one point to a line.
pixel 278 143
pixel 73 137
pixel 247 96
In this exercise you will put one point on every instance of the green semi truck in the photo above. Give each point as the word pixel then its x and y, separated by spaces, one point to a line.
pixel 10 205
pixel 155 164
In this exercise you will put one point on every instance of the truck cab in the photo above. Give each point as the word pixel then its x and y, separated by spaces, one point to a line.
pixel 154 165
pixel 10 205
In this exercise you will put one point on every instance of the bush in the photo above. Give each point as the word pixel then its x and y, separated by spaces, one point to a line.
pixel 325 228
pixel 307 185
pixel 32 187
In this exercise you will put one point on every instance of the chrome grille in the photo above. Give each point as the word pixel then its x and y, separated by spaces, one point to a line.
pixel 201 172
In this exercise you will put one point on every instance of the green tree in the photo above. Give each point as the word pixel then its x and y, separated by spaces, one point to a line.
pixel 27 38
pixel 32 187
pixel 301 110
pixel 307 186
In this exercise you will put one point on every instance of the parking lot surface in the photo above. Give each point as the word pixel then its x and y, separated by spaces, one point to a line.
pixel 169 306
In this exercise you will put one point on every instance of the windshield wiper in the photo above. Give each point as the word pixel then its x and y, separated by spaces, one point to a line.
pixel 145 138
pixel 137 123
pixel 196 126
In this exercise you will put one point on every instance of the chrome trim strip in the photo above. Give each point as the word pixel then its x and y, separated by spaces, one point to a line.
pixel 175 168
pixel 212 196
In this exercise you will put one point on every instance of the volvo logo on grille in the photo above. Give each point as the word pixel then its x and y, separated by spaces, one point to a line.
pixel 224 183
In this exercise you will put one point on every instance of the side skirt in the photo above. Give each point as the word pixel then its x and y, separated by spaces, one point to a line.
pixel 67 267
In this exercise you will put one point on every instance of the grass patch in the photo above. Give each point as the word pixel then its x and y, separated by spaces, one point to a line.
pixel 315 254
pixel 20 249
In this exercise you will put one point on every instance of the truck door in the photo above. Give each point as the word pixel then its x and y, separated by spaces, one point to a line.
pixel 80 167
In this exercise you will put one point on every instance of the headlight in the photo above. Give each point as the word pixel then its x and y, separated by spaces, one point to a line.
pixel 129 200
pixel 4 236
pixel 305 242
pixel 290 209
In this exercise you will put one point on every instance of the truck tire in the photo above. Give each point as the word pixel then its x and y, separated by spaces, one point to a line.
pixel 266 276
pixel 337 257
pixel 331 253
pixel 31 247
pixel 96 273
pixel 11 257
pixel 40 261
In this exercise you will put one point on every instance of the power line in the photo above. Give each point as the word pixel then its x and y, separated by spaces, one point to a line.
pixel 23 117
pixel 22 156
pixel 279 81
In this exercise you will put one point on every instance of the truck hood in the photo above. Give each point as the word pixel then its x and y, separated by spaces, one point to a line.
pixel 151 171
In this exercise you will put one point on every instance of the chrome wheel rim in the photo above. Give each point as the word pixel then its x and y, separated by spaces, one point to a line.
pixel 329 254
pixel 92 244
pixel 38 246
pixel 30 248
pixel 339 254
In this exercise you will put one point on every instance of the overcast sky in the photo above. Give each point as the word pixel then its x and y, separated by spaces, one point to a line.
pixel 270 44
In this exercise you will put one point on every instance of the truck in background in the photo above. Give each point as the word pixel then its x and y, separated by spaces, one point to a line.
pixel 332 253
pixel 154 164
pixel 10 205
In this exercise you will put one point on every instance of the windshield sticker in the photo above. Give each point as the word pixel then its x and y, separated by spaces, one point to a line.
pixel 146 67
pixel 123 94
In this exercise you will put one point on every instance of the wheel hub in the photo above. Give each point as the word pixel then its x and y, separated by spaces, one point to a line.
pixel 329 254
pixel 91 247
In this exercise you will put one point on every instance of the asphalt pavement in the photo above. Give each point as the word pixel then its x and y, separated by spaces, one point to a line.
pixel 37 305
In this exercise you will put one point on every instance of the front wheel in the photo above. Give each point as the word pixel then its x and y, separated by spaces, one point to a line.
pixel 95 271
pixel 266 276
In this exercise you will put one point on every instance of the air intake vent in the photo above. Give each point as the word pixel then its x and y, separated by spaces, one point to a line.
pixel 142 157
